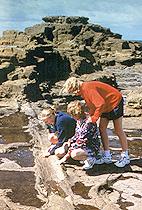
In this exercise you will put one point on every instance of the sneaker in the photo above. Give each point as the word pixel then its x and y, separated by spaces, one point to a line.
pixel 81 162
pixel 107 159
pixel 99 161
pixel 88 164
pixel 104 159
pixel 124 160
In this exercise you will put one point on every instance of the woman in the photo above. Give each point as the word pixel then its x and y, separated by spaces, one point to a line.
pixel 104 102
pixel 63 127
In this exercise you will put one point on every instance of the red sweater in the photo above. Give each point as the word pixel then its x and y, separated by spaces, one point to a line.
pixel 100 97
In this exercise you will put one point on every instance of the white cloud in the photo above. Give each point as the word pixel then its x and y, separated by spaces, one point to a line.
pixel 121 15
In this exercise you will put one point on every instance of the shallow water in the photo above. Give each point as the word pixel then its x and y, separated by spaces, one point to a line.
pixel 80 189
pixel 22 186
pixel 22 183
pixel 12 128
pixel 22 156
pixel 18 178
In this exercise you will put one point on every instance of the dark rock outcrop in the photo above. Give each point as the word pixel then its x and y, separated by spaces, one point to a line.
pixel 60 47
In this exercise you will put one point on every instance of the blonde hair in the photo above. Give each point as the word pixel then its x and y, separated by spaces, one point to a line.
pixel 71 85
pixel 76 108
pixel 48 112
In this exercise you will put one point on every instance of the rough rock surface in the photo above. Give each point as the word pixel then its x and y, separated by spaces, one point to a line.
pixel 104 187
pixel 62 46
pixel 34 65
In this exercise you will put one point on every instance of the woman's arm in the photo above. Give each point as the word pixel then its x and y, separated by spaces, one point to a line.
pixel 96 105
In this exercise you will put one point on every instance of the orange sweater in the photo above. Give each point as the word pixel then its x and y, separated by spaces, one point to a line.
pixel 100 97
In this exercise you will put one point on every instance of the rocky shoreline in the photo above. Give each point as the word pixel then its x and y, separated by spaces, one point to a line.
pixel 33 67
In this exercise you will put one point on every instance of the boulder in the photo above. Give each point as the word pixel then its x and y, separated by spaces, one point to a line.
pixel 20 89
pixel 5 69
pixel 28 72
pixel 65 19
pixel 134 103
pixel 134 98
pixel 62 46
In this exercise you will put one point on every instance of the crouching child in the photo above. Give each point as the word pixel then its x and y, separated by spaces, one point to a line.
pixel 61 127
pixel 85 144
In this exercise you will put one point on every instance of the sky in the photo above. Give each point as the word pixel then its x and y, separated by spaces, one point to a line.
pixel 121 16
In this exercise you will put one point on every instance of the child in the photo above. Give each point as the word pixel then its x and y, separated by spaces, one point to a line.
pixel 63 127
pixel 85 144
pixel 104 102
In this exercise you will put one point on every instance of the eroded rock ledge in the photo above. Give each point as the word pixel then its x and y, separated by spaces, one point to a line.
pixel 105 187
pixel 34 62
pixel 34 65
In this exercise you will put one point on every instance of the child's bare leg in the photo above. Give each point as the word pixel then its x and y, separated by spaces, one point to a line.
pixel 65 158
pixel 60 152
pixel 79 154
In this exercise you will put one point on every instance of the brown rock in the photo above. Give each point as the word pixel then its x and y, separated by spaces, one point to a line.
pixel 5 68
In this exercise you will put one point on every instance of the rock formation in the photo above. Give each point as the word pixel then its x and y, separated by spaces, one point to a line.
pixel 50 52
pixel 34 65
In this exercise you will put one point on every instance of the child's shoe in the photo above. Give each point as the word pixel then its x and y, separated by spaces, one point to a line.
pixel 82 162
pixel 88 164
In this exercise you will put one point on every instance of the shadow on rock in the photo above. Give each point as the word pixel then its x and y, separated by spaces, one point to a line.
pixel 111 168
pixel 107 168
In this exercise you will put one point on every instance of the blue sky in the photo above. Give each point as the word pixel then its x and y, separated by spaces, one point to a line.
pixel 121 16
